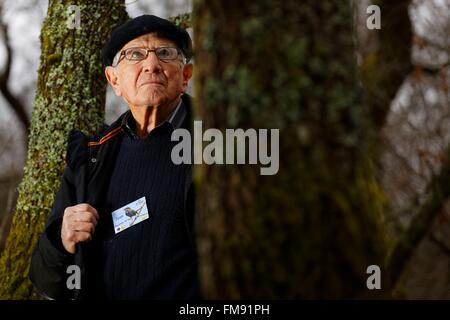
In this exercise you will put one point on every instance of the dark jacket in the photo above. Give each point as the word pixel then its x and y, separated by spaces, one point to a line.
pixel 89 165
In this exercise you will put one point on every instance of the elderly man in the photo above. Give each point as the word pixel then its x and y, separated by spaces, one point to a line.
pixel 122 223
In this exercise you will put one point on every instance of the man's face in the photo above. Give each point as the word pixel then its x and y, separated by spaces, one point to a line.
pixel 150 82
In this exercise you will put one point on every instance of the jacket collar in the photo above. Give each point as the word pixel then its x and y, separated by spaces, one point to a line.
pixel 179 117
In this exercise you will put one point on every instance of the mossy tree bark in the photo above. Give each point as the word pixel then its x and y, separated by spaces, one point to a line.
pixel 70 95
pixel 311 230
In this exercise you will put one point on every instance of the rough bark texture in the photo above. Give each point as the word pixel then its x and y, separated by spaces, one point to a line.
pixel 311 230
pixel 70 95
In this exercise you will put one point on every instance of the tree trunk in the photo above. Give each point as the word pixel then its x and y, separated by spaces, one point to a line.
pixel 311 230
pixel 70 95
pixel 386 62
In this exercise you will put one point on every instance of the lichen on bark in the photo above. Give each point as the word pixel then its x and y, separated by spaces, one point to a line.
pixel 70 95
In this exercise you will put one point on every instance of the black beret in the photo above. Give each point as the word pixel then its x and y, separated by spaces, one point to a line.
pixel 138 26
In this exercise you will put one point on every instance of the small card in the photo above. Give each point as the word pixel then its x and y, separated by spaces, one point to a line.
pixel 130 215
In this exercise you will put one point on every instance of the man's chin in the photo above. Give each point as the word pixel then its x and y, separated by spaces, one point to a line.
pixel 152 102
pixel 151 97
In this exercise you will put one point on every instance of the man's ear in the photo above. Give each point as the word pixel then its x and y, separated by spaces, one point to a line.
pixel 113 79
pixel 187 74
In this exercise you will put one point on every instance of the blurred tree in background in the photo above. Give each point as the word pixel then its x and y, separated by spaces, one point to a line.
pixel 414 163
pixel 311 230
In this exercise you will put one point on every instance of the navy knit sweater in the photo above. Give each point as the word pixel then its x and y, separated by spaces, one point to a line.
pixel 153 259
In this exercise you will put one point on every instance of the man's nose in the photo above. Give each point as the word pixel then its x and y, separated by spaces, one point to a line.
pixel 152 63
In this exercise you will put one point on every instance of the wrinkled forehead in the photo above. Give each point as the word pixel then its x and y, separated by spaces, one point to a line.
pixel 149 40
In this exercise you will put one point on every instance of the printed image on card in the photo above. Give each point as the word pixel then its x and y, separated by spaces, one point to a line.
pixel 130 214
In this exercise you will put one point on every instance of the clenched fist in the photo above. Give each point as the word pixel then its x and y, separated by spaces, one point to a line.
pixel 78 225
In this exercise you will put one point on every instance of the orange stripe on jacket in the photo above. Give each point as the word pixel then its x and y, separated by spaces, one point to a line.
pixel 105 138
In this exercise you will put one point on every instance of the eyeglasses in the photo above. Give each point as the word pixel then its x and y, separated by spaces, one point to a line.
pixel 139 54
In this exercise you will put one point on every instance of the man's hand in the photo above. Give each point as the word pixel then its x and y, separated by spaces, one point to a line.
pixel 78 225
